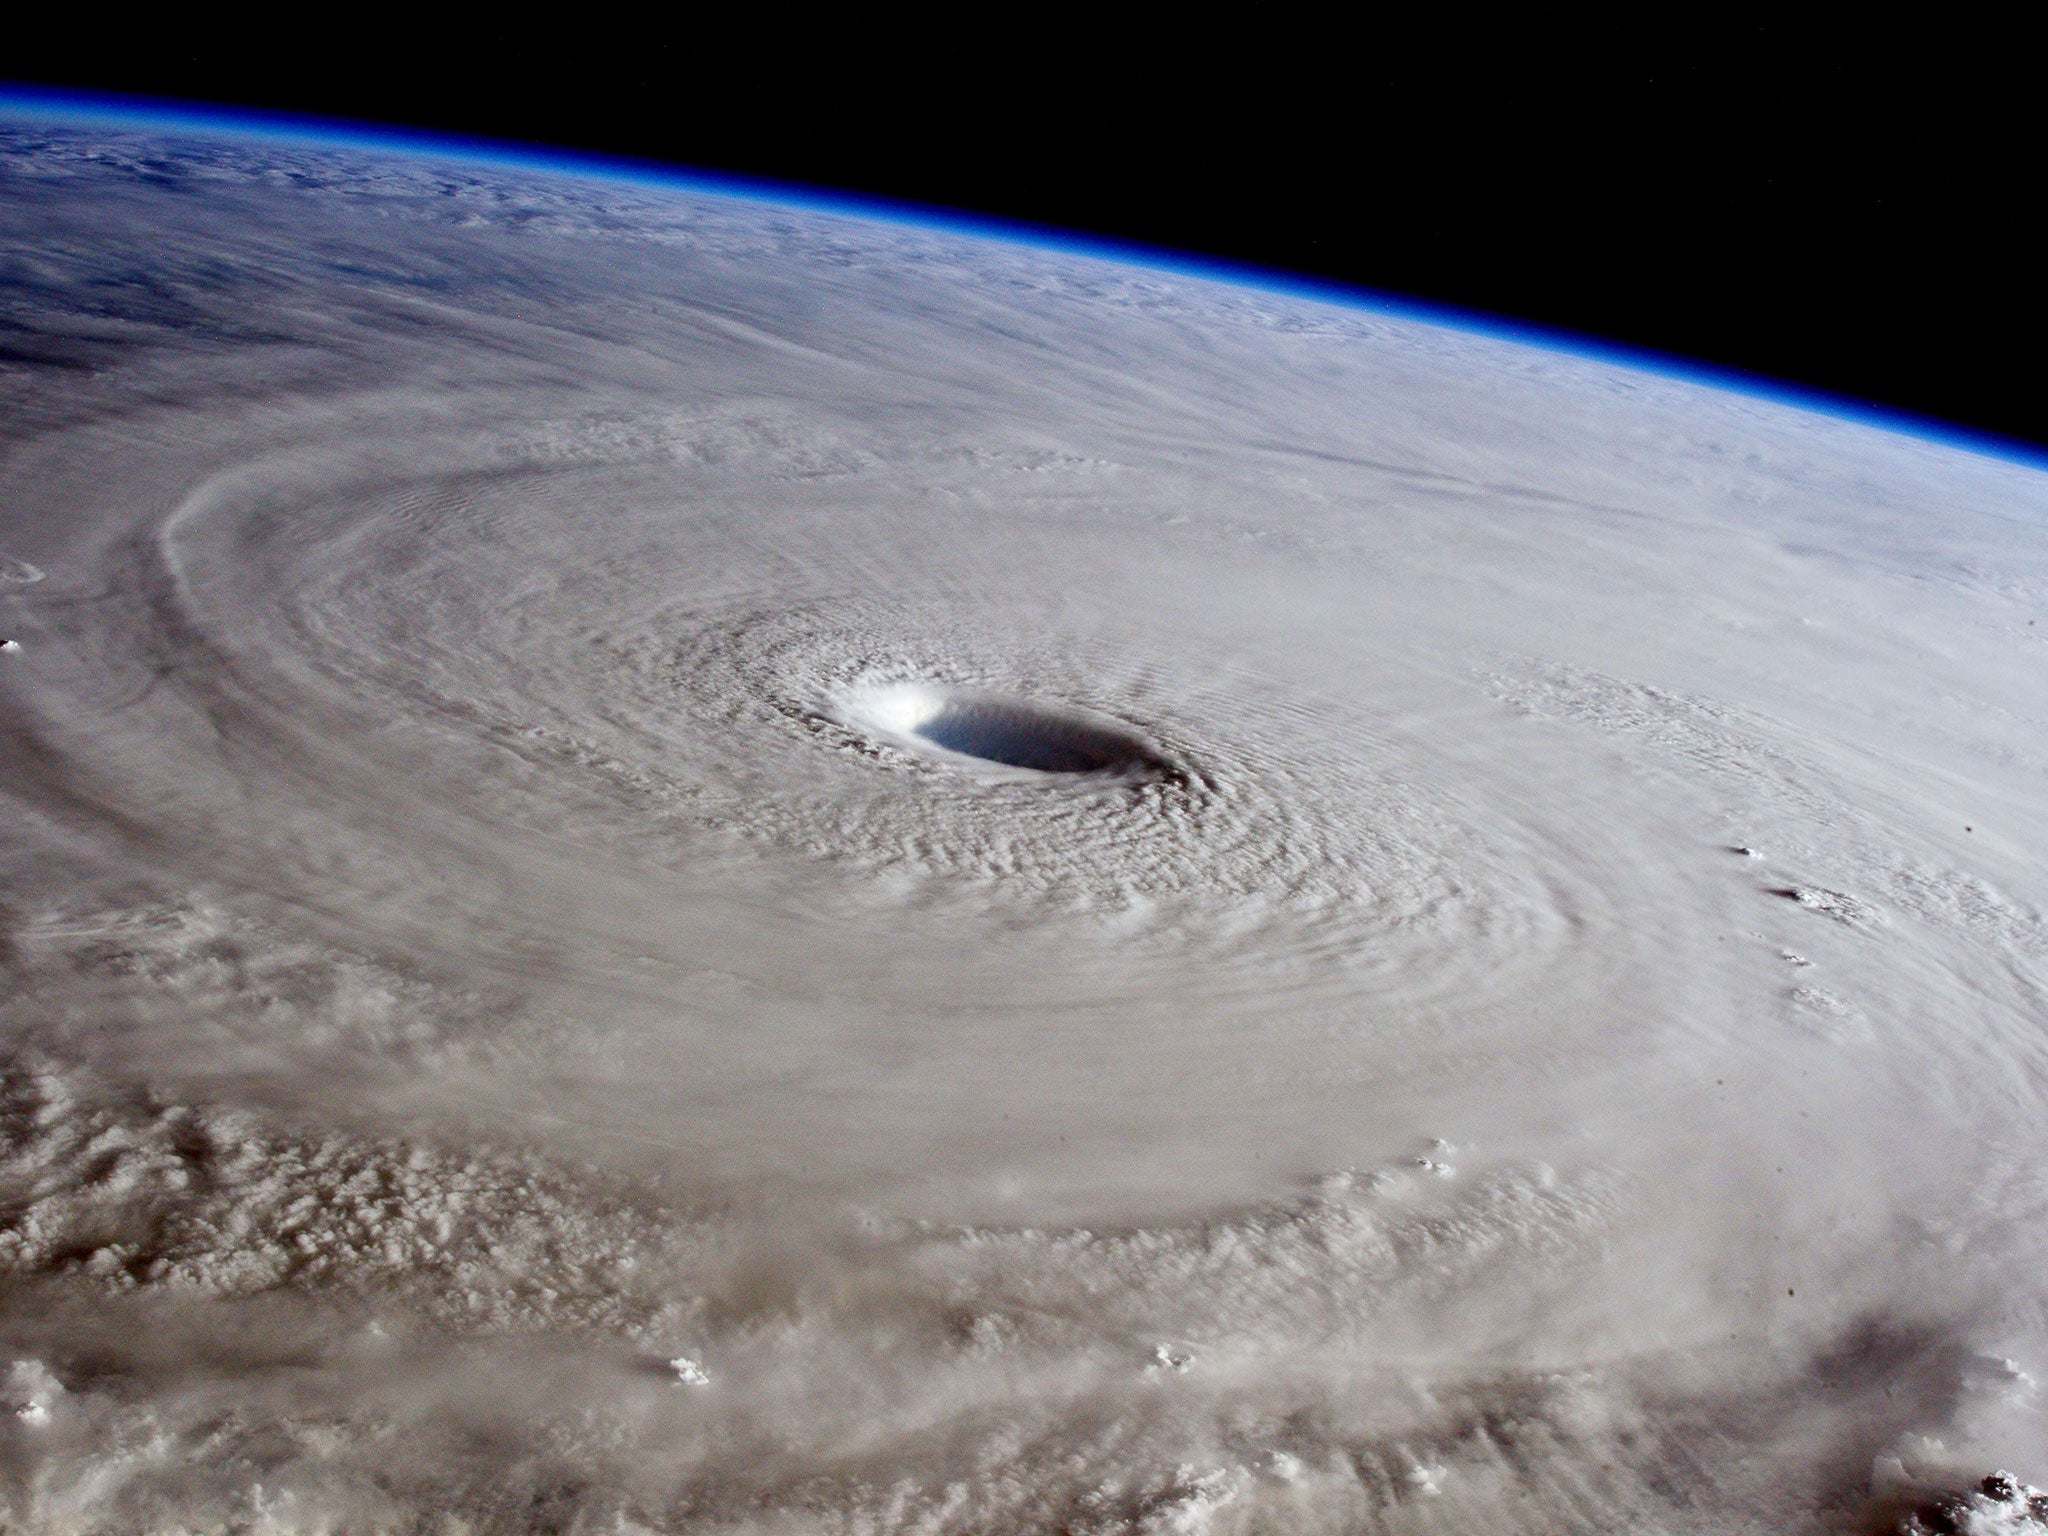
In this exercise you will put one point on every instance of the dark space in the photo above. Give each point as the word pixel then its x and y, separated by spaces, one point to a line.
pixel 1840 210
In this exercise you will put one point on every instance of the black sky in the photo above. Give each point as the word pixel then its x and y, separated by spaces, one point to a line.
pixel 1850 211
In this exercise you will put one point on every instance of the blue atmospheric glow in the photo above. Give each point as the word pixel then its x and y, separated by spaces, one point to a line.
pixel 38 104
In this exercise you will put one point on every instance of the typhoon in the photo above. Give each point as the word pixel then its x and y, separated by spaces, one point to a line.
pixel 676 862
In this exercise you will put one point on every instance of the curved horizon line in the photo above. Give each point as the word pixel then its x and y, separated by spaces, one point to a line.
pixel 68 105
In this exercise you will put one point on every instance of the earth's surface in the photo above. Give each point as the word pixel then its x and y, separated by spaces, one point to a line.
pixel 677 863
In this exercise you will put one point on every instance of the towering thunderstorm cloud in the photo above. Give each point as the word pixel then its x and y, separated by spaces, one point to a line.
pixel 671 863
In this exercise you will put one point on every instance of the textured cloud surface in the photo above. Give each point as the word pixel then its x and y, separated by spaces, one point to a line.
pixel 670 863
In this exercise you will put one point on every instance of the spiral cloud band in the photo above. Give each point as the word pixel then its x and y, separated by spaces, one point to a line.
pixel 674 862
